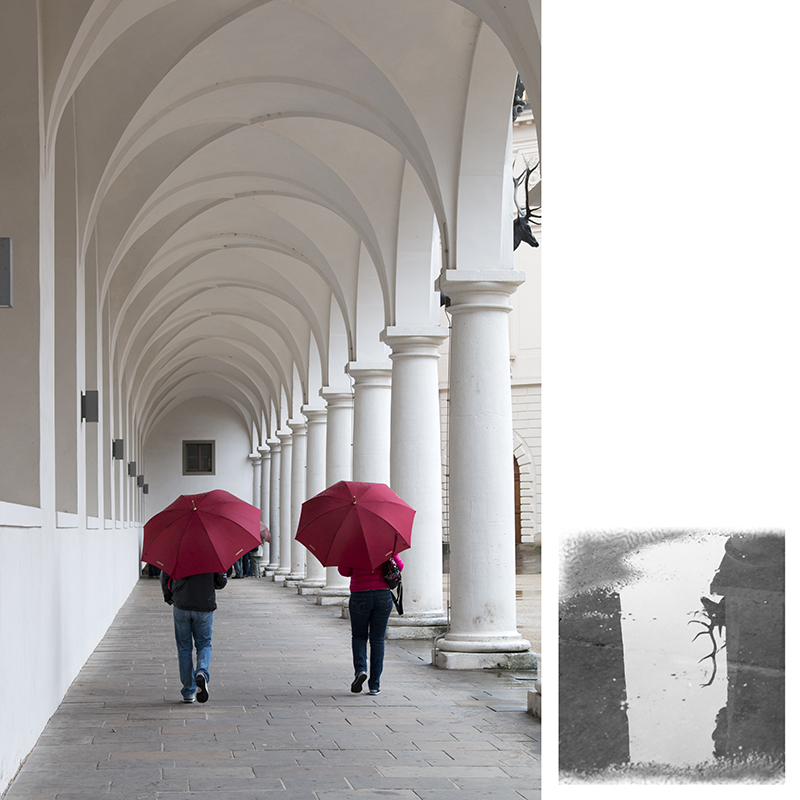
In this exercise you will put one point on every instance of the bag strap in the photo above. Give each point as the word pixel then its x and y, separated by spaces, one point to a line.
pixel 397 598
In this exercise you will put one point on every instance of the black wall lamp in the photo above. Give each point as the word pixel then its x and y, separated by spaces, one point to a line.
pixel 140 480
pixel 118 449
pixel 146 489
pixel 90 406
pixel 132 469
pixel 6 284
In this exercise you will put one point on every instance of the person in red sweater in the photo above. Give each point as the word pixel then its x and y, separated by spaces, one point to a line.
pixel 370 606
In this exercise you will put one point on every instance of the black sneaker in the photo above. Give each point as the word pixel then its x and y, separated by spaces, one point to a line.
pixel 356 685
pixel 202 687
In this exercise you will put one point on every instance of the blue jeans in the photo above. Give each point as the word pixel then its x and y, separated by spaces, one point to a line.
pixel 369 615
pixel 188 625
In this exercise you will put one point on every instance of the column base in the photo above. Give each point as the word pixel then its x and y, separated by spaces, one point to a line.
pixel 306 588
pixel 293 581
pixel 446 659
pixel 535 702
pixel 332 596
pixel 421 627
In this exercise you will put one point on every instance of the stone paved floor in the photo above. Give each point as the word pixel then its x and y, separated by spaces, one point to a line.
pixel 281 721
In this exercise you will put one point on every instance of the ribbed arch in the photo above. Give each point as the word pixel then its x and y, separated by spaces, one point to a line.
pixel 298 166
pixel 167 303
pixel 263 367
pixel 198 388
pixel 272 330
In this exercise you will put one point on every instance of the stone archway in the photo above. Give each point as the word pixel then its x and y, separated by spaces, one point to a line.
pixel 526 492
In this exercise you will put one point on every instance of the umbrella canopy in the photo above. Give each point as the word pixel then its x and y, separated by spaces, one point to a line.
pixel 355 524
pixel 201 533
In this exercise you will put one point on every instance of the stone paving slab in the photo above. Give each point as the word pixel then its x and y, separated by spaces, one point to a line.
pixel 281 721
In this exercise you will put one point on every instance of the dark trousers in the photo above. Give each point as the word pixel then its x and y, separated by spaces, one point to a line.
pixel 369 615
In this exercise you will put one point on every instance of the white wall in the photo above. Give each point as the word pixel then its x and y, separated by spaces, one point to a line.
pixel 60 590
pixel 202 419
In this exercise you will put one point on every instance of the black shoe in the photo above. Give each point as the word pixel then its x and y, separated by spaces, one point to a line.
pixel 202 687
pixel 356 685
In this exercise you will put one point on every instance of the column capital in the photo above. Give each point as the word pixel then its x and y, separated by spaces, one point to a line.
pixel 414 341
pixel 336 397
pixel 372 373
pixel 314 414
pixel 477 289
pixel 264 449
pixel 298 427
pixel 285 437
pixel 274 444
pixel 255 459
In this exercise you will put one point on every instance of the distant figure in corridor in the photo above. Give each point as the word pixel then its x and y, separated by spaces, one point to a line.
pixel 193 600
pixel 370 606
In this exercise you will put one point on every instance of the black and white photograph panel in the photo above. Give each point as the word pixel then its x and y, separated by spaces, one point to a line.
pixel 672 658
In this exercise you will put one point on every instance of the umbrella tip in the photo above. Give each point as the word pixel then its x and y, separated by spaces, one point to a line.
pixel 194 507
pixel 354 499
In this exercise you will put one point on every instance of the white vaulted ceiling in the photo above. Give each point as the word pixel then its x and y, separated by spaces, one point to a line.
pixel 256 181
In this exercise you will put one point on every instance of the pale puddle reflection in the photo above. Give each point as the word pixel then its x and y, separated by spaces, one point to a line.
pixel 672 657
pixel 671 715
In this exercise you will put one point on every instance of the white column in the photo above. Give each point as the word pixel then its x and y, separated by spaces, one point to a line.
pixel 265 486
pixel 416 474
pixel 299 449
pixel 316 419
pixel 286 507
pixel 372 408
pixel 483 619
pixel 255 460
pixel 275 505
pixel 338 467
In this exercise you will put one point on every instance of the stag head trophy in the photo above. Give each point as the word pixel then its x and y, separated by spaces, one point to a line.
pixel 529 181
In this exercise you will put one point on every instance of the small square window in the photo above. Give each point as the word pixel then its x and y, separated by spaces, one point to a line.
pixel 198 458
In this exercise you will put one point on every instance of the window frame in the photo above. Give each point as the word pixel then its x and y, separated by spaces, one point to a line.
pixel 184 457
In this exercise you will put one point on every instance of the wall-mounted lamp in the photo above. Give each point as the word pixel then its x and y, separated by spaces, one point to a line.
pixel 6 283
pixel 118 449
pixel 146 489
pixel 90 406
pixel 132 469
pixel 140 480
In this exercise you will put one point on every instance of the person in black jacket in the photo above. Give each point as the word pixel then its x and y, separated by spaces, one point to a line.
pixel 193 600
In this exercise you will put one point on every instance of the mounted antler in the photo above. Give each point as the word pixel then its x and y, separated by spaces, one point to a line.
pixel 522 229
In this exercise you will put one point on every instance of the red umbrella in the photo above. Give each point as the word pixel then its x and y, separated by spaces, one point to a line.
pixel 355 524
pixel 201 533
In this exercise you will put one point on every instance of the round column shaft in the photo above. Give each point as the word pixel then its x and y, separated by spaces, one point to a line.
pixel 315 483
pixel 372 408
pixel 416 471
pixel 338 467
pixel 482 559
pixel 255 460
pixel 275 505
pixel 265 484
pixel 299 448
pixel 286 506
